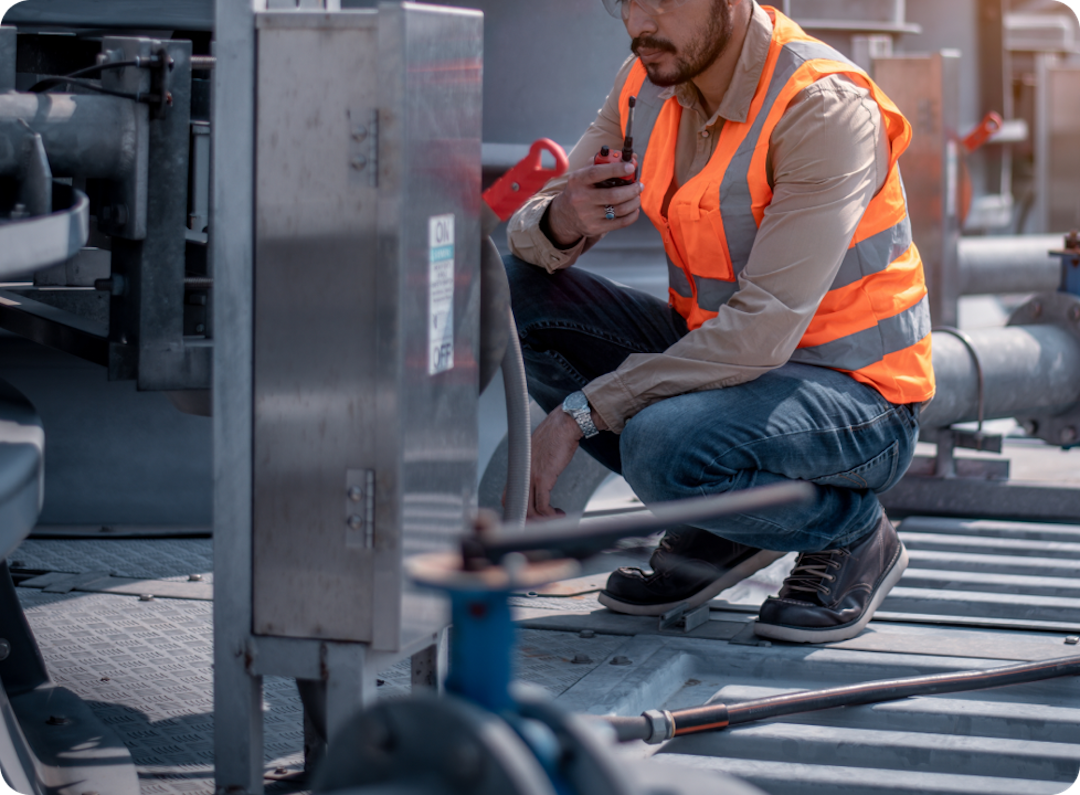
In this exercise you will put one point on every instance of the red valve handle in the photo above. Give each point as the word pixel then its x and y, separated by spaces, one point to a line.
pixel 982 133
pixel 518 184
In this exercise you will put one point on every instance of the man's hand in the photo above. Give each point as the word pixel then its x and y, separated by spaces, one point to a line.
pixel 554 443
pixel 580 210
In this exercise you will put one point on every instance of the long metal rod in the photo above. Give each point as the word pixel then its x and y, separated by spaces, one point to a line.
pixel 569 538
pixel 892 689
pixel 656 726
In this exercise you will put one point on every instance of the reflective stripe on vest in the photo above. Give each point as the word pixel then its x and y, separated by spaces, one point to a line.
pixel 874 322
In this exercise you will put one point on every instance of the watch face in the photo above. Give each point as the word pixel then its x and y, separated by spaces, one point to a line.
pixel 576 401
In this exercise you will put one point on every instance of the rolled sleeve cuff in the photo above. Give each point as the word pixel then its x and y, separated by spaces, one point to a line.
pixel 610 398
pixel 528 242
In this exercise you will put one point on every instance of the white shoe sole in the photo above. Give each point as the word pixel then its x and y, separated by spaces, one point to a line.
pixel 730 577
pixel 833 634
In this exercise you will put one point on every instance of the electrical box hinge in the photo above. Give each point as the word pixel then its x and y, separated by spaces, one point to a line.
pixel 364 145
pixel 360 508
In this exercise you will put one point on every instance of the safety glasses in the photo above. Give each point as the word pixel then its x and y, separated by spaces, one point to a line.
pixel 620 9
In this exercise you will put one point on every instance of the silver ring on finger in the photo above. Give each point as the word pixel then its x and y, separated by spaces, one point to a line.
pixel 609 213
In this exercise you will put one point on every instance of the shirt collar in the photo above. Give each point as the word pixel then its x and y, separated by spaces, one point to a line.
pixel 740 94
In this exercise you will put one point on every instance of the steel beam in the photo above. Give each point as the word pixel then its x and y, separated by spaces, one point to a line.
pixel 993 59
pixel 238 726
pixel 147 317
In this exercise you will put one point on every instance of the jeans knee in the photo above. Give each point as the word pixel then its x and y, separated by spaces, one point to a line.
pixel 666 457
pixel 528 285
pixel 652 459
pixel 522 276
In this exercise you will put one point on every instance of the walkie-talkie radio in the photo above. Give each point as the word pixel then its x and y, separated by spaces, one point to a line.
pixel 626 155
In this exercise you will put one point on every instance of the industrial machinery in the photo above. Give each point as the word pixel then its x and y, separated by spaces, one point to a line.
pixel 126 141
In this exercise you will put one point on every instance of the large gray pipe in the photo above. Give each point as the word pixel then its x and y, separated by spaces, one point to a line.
pixel 1027 370
pixel 1014 264
pixel 85 136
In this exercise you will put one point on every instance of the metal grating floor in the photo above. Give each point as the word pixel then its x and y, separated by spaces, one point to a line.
pixel 1008 573
pixel 145 669
pixel 976 594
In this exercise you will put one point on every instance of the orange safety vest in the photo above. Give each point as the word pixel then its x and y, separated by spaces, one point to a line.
pixel 874 322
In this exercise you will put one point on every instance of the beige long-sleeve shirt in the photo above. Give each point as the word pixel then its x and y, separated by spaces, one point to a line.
pixel 829 156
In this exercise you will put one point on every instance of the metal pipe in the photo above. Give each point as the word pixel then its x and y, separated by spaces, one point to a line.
pixel 84 136
pixel 1026 370
pixel 655 726
pixel 1013 264
pixel 571 538
pixel 203 63
pixel 519 429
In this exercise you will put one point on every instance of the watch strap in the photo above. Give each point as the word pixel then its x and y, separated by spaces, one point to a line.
pixel 577 406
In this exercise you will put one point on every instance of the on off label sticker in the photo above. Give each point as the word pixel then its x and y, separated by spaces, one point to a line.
pixel 441 295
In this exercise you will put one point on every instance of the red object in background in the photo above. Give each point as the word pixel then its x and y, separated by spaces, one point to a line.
pixel 515 187
pixel 990 124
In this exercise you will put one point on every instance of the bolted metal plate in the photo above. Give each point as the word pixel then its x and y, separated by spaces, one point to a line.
pixel 556 661
pixel 584 604
pixel 145 669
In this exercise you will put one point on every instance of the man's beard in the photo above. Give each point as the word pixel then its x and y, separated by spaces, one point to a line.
pixel 698 55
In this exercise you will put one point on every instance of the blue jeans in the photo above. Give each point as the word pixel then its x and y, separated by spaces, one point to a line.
pixel 797 422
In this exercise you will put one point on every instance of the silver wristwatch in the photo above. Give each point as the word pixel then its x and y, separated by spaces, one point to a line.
pixel 577 406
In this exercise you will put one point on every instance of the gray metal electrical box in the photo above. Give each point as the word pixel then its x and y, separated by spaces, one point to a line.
pixel 366 301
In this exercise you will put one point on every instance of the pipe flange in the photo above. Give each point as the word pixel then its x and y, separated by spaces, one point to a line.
pixel 1062 310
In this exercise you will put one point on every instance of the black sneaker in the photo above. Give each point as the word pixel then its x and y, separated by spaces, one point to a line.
pixel 832 595
pixel 690 566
